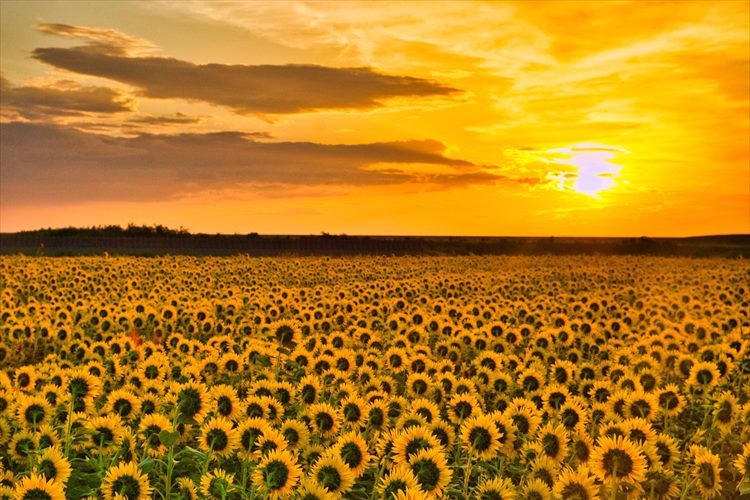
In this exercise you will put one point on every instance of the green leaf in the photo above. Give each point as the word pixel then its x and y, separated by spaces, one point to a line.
pixel 147 465
pixel 745 487
pixel 168 438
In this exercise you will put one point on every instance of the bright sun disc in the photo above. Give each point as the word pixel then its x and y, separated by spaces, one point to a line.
pixel 595 170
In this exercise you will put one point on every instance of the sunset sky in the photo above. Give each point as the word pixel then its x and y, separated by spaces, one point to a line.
pixel 601 118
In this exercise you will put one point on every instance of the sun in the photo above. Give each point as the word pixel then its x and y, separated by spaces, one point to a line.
pixel 591 168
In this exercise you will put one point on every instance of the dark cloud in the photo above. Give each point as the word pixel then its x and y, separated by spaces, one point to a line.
pixel 46 163
pixel 66 99
pixel 98 40
pixel 246 89
pixel 175 119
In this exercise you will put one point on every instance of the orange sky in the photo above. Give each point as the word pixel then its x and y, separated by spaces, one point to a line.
pixel 444 118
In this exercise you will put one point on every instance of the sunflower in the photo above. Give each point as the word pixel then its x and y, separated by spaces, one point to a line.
pixel 399 478
pixel 148 431
pixel 277 474
pixel 25 378
pixel 271 440
pixel 296 434
pixel 53 465
pixel 661 485
pixel 554 441
pixel 332 473
pixel 581 448
pixel 481 437
pixel 725 412
pixel 309 389
pixel 576 484
pixel 123 403
pixel 535 489
pixel 218 437
pixel 286 333
pixel 640 404
pixel 495 489
pixel 217 483
pixel 105 433
pixel 704 375
pixel 310 490
pixel 185 489
pixel 352 448
pixel 33 411
pixel 82 387
pixel 554 396
pixel 618 460
pixel 408 442
pixel 353 410
pixel 670 400
pixel 574 415
pixel 125 481
pixel 224 402
pixel 192 400
pixel 250 432
pixel 325 419
pixel 444 432
pixel 530 380
pixel 22 445
pixel 418 384
pixel 36 487
pixel 742 462
pixel 47 436
pixel 706 472
pixel 463 406
pixel 431 470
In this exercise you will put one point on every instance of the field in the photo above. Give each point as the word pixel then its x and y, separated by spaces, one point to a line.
pixel 530 377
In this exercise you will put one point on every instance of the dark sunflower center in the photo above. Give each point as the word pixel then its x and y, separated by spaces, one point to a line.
pixel 308 394
pixel 152 372
pixel 705 377
pixel 551 445
pixel 575 491
pixel 617 462
pixel 291 435
pixel 324 421
pixel 416 445
pixel 122 407
pixel 463 409
pixel 376 418
pixel 480 439
pixel 352 455
pixel 127 486
pixel 640 408
pixel 78 386
pixel 34 413
pixel 329 478
pixel 706 475
pixel 530 383
pixel 725 412
pixel 152 431
pixel 103 436
pixel 224 405
pixel 352 412
pixel 393 487
pixel 581 451
pixel 570 418
pixel 36 494
pixel 24 380
pixel 217 439
pixel 427 473
pixel 419 387
pixel 190 402
pixel 276 474
pixel 248 438
pixel 47 469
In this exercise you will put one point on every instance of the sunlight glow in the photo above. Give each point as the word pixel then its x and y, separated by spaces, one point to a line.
pixel 593 173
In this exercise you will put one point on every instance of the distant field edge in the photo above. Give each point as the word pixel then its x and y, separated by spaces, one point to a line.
pixel 727 246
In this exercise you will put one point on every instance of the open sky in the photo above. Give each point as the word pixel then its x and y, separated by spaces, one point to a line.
pixel 601 118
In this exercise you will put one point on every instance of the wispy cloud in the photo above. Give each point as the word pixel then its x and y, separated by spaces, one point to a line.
pixel 86 167
pixel 244 88
pixel 67 98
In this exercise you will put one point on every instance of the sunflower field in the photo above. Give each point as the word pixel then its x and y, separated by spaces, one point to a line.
pixel 374 377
